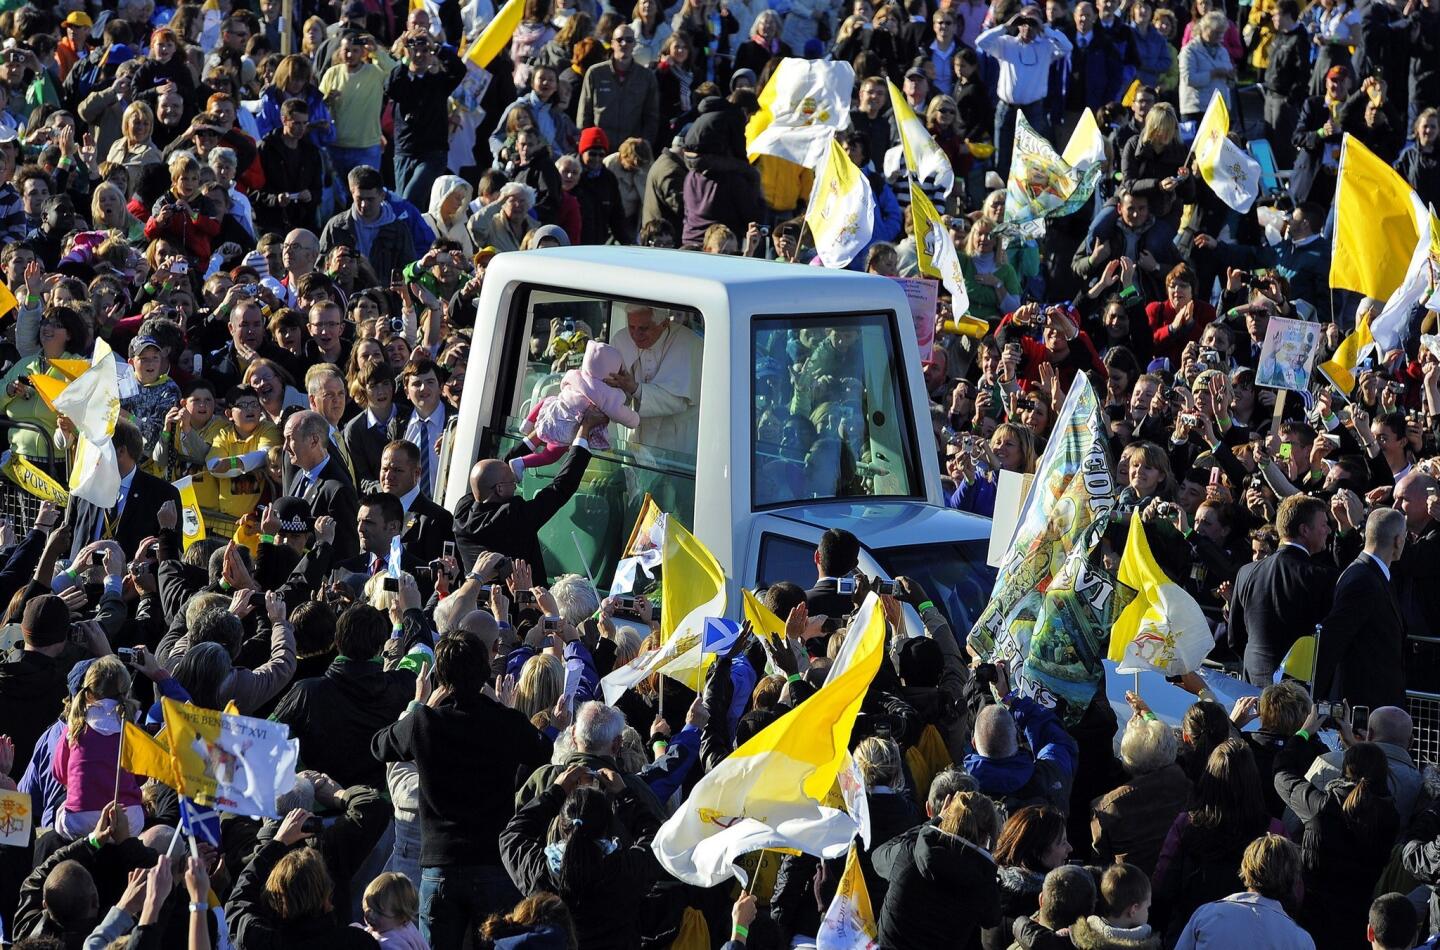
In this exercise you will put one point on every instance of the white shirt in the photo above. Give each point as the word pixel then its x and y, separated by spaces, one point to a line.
pixel 1024 67
pixel 1384 568
pixel 408 499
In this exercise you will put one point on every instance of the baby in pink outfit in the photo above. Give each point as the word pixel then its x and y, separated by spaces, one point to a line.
pixel 556 419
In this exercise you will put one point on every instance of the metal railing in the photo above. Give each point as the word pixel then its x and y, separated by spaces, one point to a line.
pixel 18 506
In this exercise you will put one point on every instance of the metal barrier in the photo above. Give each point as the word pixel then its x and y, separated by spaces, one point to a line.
pixel 18 506
pixel 1425 740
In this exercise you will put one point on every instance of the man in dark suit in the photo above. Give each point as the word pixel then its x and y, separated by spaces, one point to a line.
pixel 320 479
pixel 248 341
pixel 1280 599
pixel 1417 577
pixel 1361 654
pixel 427 525
pixel 366 435
pixel 378 522
pixel 837 556
pixel 425 421
pixel 493 517
pixel 132 518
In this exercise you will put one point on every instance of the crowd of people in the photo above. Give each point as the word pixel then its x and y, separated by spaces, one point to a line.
pixel 281 229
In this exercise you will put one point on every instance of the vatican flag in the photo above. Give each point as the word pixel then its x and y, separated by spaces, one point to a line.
pixel 192 522
pixel 801 107
pixel 1378 225
pixel 92 402
pixel 923 157
pixel 849 922
pixel 230 762
pixel 1388 327
pixel 841 213
pixel 1163 628
pixel 1340 368
pixel 779 789
pixel 1233 175
pixel 496 35
pixel 935 251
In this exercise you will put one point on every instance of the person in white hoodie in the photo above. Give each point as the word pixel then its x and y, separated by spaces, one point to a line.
pixel 449 203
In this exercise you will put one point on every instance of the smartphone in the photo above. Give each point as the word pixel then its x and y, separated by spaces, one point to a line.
pixel 1360 718
pixel 391 584
pixel 1215 477
pixel 197 363
pixel 396 277
pixel 845 586
pixel 447 549
pixel 1284 452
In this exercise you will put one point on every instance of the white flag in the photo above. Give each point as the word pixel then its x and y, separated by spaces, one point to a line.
pixel 849 922
pixel 1232 174
pixel 801 107
pixel 841 213
pixel 92 402
pixel 1389 327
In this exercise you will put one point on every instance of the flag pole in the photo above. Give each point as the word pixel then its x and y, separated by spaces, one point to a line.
pixel 583 561
pixel 800 239
pixel 119 751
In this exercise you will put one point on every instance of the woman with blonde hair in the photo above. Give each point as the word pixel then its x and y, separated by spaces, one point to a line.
pixel 942 879
pixel 991 282
pixel 270 380
pixel 1010 448
pixel 134 148
pixel 86 758
pixel 651 31
pixel 542 680
pixel 109 211
pixel 1149 163
pixel 1144 470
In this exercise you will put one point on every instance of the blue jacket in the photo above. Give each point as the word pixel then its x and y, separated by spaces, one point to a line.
pixel 1152 51
pixel 268 118
pixel 1024 777
pixel 889 219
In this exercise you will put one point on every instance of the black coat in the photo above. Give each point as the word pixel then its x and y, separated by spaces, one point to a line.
pixel 469 753
pixel 366 443
pixel 1275 602
pixel 1363 644
pixel 254 927
pixel 1341 863
pixel 822 599
pixel 427 527
pixel 607 912
pixel 335 496
pixel 32 693
pixel 137 519
pixel 942 888
pixel 336 715
pixel 512 526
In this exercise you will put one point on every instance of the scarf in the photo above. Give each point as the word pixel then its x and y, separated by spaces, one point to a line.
pixel 555 852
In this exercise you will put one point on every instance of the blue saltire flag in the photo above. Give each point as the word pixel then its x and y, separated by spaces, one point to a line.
pixel 718 635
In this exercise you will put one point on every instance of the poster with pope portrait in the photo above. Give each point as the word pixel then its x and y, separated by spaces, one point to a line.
pixel 1287 357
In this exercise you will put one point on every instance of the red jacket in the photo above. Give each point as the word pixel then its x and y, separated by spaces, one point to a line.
pixel 1082 355
pixel 1171 345
pixel 191 231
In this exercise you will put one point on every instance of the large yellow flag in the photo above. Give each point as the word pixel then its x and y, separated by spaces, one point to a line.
pixel 762 619
pixel 771 792
pixel 692 582
pixel 841 213
pixel 1340 368
pixel 1378 220
pixel 496 34
pixel 1163 628
pixel 7 300
pixel 925 160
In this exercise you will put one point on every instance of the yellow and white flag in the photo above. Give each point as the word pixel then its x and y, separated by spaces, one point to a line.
pixel 779 789
pixel 925 160
pixel 1340 368
pixel 801 107
pixel 192 522
pixel 642 552
pixel 1163 628
pixel 92 402
pixel 1087 145
pixel 230 762
pixel 935 250
pixel 1378 221
pixel 849 921
pixel 841 213
pixel 1231 173
pixel 1388 327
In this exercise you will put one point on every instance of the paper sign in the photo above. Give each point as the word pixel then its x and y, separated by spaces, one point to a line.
pixel 16 819
pixel 922 293
pixel 12 643
pixel 1287 358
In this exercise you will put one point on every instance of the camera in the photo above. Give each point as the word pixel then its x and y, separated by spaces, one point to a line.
pixel 845 586
pixel 986 673
pixel 1210 355
pixel 626 602
pixel 1330 710
pixel 884 588
pixel 1024 403
pixel 550 624
pixel 127 654
pixel 97 558
pixel 391 584
pixel 524 598
pixel 1189 419
pixel 397 324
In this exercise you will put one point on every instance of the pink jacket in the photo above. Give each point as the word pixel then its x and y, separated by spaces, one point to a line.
pixel 582 388
pixel 87 770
